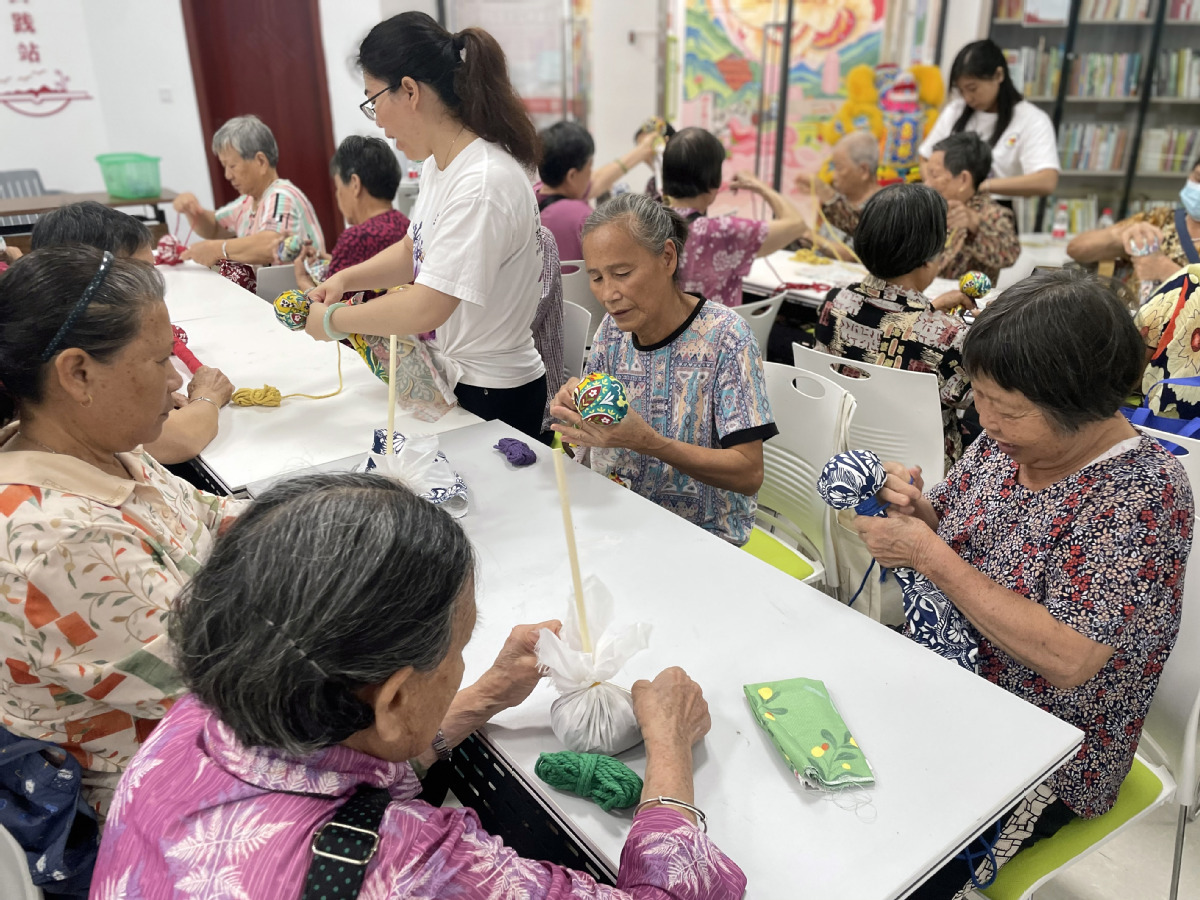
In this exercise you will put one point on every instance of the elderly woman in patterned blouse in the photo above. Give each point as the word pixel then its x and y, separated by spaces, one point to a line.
pixel 97 538
pixel 1062 536
pixel 317 684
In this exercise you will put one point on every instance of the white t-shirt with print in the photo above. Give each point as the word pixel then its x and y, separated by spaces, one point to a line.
pixel 475 237
pixel 1027 145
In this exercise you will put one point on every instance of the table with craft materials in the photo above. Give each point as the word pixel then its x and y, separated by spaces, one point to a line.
pixel 807 283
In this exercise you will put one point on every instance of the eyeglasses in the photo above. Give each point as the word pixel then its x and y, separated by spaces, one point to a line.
pixel 368 105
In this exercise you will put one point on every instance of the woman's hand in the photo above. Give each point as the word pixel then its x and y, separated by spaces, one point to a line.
pixel 187 204
pixel 308 254
pixel 897 539
pixel 958 215
pixel 515 672
pixel 671 709
pixel 328 291
pixel 211 383
pixel 1140 238
pixel 812 184
pixel 952 300
pixel 646 145
pixel 745 181
pixel 314 325
pixel 631 433
pixel 903 488
pixel 207 253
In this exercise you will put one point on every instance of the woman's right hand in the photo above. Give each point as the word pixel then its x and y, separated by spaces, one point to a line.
pixel 903 488
pixel 671 709
pixel 328 291
pixel 211 383
pixel 1141 238
pixel 187 204
pixel 565 397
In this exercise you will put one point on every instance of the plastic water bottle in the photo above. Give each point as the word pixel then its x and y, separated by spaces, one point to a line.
pixel 1106 218
pixel 1062 222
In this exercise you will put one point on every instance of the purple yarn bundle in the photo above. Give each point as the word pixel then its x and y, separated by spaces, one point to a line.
pixel 516 452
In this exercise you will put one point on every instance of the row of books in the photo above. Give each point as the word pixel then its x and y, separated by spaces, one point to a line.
pixel 1177 74
pixel 1083 213
pixel 1035 70
pixel 1115 9
pixel 1168 149
pixel 1047 12
pixel 1184 10
pixel 1105 75
pixel 1095 147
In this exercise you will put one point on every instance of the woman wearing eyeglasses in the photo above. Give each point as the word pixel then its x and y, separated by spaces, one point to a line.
pixel 472 250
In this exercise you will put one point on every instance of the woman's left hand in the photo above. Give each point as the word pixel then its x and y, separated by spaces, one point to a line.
pixel 515 674
pixel 631 433
pixel 952 300
pixel 207 253
pixel 314 325
pixel 897 540
pixel 959 215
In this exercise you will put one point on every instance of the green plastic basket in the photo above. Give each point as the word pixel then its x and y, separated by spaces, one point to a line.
pixel 130 174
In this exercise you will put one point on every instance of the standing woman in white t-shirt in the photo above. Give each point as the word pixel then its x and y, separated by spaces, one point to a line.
pixel 473 245
pixel 1024 146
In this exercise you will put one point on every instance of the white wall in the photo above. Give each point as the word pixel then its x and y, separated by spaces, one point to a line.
pixel 966 21
pixel 623 76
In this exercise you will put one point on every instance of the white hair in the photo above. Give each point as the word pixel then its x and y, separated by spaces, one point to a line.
pixel 247 135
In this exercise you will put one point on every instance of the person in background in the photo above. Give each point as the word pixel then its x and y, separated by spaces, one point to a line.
pixel 855 166
pixel 886 319
pixel 720 250
pixel 8 255
pixel 366 175
pixel 1024 146
pixel 193 422
pixel 1167 322
pixel 1150 246
pixel 982 233
pixel 692 440
pixel 250 228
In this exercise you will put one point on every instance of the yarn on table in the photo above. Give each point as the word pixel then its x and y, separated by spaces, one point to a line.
pixel 607 782
pixel 516 452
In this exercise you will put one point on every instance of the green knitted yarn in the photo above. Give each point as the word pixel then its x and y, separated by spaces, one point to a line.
pixel 607 782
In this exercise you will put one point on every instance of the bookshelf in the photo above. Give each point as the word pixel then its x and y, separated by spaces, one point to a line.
pixel 1121 81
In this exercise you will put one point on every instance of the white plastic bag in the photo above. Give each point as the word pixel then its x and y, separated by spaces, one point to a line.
pixel 418 463
pixel 592 715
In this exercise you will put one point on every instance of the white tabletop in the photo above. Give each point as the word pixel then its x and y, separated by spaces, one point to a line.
pixel 770 272
pixel 236 331
pixel 950 751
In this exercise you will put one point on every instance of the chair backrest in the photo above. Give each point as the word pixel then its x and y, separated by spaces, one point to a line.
pixel 577 290
pixel 20 183
pixel 760 316
pixel 897 412
pixel 576 324
pixel 274 280
pixel 1174 717
pixel 811 413
pixel 14 870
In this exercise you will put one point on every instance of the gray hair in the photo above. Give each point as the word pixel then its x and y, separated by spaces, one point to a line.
pixel 326 585
pixel 247 135
pixel 648 222
pixel 863 149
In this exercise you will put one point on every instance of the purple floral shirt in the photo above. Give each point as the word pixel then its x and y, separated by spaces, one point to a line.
pixel 718 255
pixel 199 815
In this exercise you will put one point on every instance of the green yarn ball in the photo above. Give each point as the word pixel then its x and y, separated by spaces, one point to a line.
pixel 607 782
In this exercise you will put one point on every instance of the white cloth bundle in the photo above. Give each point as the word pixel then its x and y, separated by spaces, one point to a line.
pixel 418 463
pixel 592 715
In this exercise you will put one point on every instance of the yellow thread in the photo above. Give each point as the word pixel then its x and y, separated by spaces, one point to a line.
pixel 816 236
pixel 270 396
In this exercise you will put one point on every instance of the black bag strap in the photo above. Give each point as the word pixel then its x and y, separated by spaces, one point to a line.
pixel 1185 237
pixel 548 199
pixel 344 845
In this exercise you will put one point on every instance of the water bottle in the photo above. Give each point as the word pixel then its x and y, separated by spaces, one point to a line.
pixel 1106 218
pixel 1062 222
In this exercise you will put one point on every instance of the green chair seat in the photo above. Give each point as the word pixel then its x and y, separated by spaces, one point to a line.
pixel 774 552
pixel 1139 792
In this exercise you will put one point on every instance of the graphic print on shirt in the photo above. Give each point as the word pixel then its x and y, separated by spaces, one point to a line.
pixel 418 250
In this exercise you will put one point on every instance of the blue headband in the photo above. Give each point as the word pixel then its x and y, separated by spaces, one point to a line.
pixel 80 306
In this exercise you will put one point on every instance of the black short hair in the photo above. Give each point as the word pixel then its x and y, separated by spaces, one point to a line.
pixel 91 223
pixel 372 160
pixel 565 146
pixel 692 163
pixel 1064 340
pixel 902 227
pixel 966 152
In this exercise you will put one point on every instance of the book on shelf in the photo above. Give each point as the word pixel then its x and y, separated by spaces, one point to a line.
pixel 1093 146
pixel 1168 150
pixel 1047 12
pixel 1121 10
pixel 1036 70
pixel 1082 212
pixel 1008 9
pixel 1183 11
pixel 1178 74
pixel 1105 75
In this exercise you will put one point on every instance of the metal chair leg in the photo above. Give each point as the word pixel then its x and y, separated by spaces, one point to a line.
pixel 1178 863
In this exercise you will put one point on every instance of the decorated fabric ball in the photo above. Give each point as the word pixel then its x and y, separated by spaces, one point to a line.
pixel 975 284
pixel 601 399
pixel 169 251
pixel 291 308
pixel 289 248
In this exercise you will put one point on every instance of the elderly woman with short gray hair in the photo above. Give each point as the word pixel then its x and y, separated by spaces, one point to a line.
pixel 319 689
pixel 692 440
pixel 249 229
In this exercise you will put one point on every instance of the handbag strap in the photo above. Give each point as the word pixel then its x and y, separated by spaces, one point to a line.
pixel 344 846
pixel 1185 236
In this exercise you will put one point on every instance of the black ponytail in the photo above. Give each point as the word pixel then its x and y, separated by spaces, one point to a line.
pixel 981 59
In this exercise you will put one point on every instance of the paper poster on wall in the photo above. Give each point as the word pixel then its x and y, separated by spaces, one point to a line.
pixel 32 83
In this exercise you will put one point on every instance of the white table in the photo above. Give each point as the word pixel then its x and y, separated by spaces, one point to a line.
pixel 950 751
pixel 769 273
pixel 232 329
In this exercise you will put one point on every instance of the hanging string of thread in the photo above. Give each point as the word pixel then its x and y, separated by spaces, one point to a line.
pixel 820 219
pixel 607 782
pixel 268 395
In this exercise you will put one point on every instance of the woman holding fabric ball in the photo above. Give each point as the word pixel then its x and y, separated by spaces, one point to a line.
pixel 473 243
pixel 692 440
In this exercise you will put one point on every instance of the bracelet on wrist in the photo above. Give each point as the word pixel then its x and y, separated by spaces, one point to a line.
pixel 621 163
pixel 334 335
pixel 215 404
pixel 701 819
pixel 224 253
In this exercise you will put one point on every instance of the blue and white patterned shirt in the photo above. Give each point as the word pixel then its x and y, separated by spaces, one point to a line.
pixel 702 385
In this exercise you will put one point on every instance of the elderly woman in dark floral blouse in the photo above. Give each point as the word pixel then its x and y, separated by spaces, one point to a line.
pixel 1062 536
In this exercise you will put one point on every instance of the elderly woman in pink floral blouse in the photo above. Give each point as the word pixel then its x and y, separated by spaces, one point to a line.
pixel 321 687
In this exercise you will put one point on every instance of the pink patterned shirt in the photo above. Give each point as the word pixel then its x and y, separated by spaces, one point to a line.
pixel 198 815
pixel 718 255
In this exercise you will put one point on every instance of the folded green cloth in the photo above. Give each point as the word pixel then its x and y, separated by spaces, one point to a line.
pixel 806 727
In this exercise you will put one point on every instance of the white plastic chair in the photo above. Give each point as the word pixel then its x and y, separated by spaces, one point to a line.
pixel 274 280
pixel 576 322
pixel 760 316
pixel 811 413
pixel 14 870
pixel 577 290
pixel 1165 765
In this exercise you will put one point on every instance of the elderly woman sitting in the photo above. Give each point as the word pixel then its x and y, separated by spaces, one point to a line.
pixel 249 229
pixel 97 538
pixel 314 683
pixel 1062 536
pixel 692 440
pixel 886 319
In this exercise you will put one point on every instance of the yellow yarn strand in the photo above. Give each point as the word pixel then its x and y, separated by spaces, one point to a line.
pixel 815 226
pixel 270 396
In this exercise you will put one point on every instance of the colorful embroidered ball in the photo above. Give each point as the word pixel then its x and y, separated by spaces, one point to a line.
pixel 289 248
pixel 291 308
pixel 601 399
pixel 169 251
pixel 975 284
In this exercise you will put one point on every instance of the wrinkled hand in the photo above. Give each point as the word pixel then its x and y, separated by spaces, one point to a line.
pixel 951 300
pixel 515 673
pixel 328 291
pixel 207 253
pixel 178 400
pixel 1140 237
pixel 187 204
pixel 11 254
pixel 902 489
pixel 812 184
pixel 211 383
pixel 671 709
pixel 631 433
pixel 897 540
pixel 646 145
pixel 958 215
